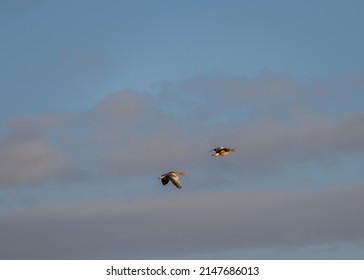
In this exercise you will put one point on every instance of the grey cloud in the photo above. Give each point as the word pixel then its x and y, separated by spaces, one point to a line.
pixel 270 95
pixel 21 128
pixel 228 88
pixel 27 158
pixel 130 134
pixel 123 113
pixel 168 140
pixel 209 96
pixel 185 226
pixel 273 144
pixel 31 162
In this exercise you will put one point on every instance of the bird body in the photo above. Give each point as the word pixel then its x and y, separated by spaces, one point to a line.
pixel 222 151
pixel 173 177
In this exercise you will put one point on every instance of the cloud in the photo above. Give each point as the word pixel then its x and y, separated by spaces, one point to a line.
pixel 28 158
pixel 270 119
pixel 131 138
pixel 29 162
pixel 272 143
pixel 266 85
pixel 186 226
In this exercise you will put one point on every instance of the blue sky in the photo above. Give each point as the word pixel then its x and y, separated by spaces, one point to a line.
pixel 101 97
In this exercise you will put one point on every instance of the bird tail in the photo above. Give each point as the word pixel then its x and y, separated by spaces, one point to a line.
pixel 182 173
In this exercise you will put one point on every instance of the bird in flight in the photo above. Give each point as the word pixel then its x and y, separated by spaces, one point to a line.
pixel 173 177
pixel 222 151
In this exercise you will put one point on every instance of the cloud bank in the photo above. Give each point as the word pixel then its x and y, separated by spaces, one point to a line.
pixel 273 120
pixel 284 130
pixel 200 226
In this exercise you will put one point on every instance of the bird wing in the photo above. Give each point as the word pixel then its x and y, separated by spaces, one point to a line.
pixel 165 180
pixel 175 179
pixel 217 149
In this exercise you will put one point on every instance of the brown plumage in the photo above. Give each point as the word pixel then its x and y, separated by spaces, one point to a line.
pixel 173 177
pixel 222 151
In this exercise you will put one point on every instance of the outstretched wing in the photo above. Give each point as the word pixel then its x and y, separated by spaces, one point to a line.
pixel 175 180
pixel 165 180
pixel 217 149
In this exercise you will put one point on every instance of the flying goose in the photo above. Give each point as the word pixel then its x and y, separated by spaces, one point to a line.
pixel 173 176
pixel 222 151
